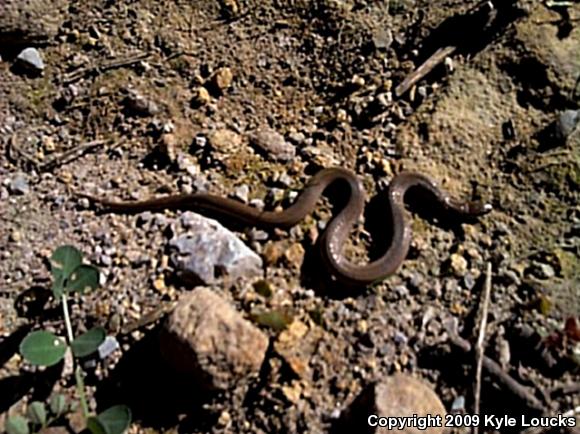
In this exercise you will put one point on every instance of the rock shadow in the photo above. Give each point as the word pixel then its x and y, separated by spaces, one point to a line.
pixel 157 396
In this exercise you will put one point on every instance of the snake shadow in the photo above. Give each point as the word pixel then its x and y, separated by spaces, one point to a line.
pixel 379 224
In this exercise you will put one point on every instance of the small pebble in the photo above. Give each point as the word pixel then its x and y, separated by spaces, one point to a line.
pixel 30 58
pixel 416 280
pixel 400 337
pixel 225 141
pixel 458 404
pixel 106 260
pixel 144 218
pixel 109 345
pixel 200 141
pixel 297 138
pixel 223 78
pixel 84 203
pixel 458 264
pixel 382 38
pixel 469 281
pixel 15 236
pixel 159 284
pixel 401 290
pixel 258 235
pixel 567 122
pixel 242 193
pixel 273 144
pixel 257 203
pixel 285 180
pixel 543 271
pixel 201 96
pixel 140 105
pixel 449 67
pixel 19 184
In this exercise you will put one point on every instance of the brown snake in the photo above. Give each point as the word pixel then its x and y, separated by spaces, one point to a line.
pixel 333 239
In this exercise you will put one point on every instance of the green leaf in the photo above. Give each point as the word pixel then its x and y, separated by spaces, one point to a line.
pixel 43 348
pixel 263 288
pixel 36 412
pixel 317 316
pixel 58 405
pixel 114 420
pixel 88 342
pixel 16 425
pixel 58 284
pixel 544 305
pixel 64 260
pixel 275 319
pixel 82 278
pixel 95 426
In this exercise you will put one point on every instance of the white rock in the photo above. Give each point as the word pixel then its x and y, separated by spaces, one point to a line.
pixel 30 58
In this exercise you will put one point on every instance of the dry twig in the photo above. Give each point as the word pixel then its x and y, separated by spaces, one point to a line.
pixel 19 156
pixel 104 66
pixel 435 59
pixel 480 347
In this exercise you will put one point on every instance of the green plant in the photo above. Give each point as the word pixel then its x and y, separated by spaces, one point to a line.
pixel 38 416
pixel 44 348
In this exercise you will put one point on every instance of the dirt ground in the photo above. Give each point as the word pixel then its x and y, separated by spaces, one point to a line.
pixel 168 96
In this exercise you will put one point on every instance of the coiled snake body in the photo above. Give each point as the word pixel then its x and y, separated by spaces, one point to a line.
pixel 333 238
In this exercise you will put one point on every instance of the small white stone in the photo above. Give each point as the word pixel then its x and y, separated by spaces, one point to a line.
pixel 30 57
pixel 109 345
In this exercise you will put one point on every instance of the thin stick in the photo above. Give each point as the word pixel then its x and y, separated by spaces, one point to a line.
pixel 435 59
pixel 80 383
pixel 480 346
pixel 104 66
pixel 56 160
pixel 69 155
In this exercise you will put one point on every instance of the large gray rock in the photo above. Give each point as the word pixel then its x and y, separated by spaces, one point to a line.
pixel 209 252
pixel 206 339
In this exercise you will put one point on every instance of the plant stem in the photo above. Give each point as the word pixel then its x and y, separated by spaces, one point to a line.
pixel 81 391
pixel 67 323
pixel 80 382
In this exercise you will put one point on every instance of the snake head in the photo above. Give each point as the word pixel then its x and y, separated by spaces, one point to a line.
pixel 470 208
pixel 479 208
